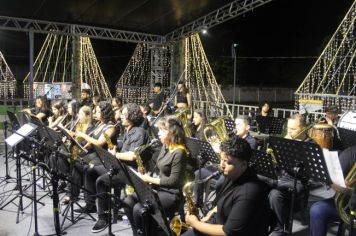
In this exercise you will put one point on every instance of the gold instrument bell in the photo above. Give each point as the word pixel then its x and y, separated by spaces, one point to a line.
pixel 215 131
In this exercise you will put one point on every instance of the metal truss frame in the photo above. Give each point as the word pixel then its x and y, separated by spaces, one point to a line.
pixel 225 13
pixel 46 27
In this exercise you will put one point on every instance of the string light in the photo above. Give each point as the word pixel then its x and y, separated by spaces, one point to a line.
pixel 332 78
pixel 53 66
pixel 7 79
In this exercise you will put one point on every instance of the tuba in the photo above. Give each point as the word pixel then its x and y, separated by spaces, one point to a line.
pixel 182 116
pixel 343 200
pixel 215 131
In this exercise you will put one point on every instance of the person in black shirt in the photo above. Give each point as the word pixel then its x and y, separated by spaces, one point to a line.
pixel 324 212
pixel 241 204
pixel 41 110
pixel 171 164
pixel 135 136
pixel 158 99
pixel 85 96
pixel 199 122
pixel 183 98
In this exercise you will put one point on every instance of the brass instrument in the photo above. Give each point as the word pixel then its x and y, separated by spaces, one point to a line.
pixel 215 131
pixel 108 141
pixel 182 116
pixel 342 200
pixel 176 224
pixel 138 154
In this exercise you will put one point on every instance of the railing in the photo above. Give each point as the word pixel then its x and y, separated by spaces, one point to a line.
pixel 220 109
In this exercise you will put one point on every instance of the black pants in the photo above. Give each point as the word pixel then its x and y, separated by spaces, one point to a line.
pixel 280 200
pixel 102 187
pixel 133 209
pixel 91 174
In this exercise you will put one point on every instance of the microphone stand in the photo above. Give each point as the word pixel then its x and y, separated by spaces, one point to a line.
pixel 175 91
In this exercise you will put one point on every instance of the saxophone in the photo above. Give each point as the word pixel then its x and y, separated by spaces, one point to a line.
pixel 342 200
pixel 108 141
pixel 176 224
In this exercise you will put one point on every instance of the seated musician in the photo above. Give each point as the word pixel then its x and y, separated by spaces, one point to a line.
pixel 331 118
pixel 84 125
pixel 171 164
pixel 265 109
pixel 97 179
pixel 58 111
pixel 183 100
pixel 324 212
pixel 117 104
pixel 95 137
pixel 96 99
pixel 72 109
pixel 242 126
pixel 199 122
pixel 280 196
pixel 40 111
pixel 241 204
pixel 85 95
pixel 146 110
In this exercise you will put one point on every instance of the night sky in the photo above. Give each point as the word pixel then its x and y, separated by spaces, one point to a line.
pixel 277 44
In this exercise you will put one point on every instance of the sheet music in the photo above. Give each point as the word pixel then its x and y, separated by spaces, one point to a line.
pixel 334 167
pixel 24 131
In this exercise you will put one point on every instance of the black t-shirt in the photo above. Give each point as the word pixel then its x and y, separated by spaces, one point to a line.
pixel 158 99
pixel 242 206
pixel 46 112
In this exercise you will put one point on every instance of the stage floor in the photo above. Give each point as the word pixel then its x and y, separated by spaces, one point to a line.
pixel 8 215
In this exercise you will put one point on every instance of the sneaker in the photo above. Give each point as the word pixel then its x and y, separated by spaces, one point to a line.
pixel 87 209
pixel 100 225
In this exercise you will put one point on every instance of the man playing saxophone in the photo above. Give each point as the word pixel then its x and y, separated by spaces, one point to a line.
pixel 241 204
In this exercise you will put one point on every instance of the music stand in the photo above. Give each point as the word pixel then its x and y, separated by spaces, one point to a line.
pixel 202 149
pixel 263 164
pixel 13 120
pixel 347 136
pixel 269 124
pixel 229 125
pixel 144 192
pixel 303 159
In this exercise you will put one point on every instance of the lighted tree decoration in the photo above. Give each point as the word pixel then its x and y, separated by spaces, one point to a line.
pixel 7 79
pixel 54 65
pixel 332 79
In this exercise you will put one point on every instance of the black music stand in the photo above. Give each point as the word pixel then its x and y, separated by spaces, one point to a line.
pixel 263 164
pixel 302 159
pixel 144 192
pixel 269 124
pixel 347 136
pixel 229 125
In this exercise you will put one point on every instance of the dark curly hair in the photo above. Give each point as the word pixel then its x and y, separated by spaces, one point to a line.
pixel 237 147
pixel 135 114
pixel 175 129
pixel 106 111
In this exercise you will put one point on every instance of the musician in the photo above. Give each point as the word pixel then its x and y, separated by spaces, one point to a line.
pixel 171 163
pixel 242 126
pixel 331 118
pixel 72 109
pixel 265 109
pixel 58 111
pixel 324 212
pixel 117 104
pixel 84 125
pixel 199 122
pixel 146 110
pixel 183 98
pixel 96 99
pixel 279 196
pixel 97 179
pixel 241 204
pixel 85 95
pixel 40 111
pixel 158 99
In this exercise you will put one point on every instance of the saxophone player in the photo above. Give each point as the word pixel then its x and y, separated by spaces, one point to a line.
pixel 241 204
pixel 171 164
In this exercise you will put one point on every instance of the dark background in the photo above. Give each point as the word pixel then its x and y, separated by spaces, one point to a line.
pixel 277 44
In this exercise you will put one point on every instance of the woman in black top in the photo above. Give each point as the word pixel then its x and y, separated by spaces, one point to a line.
pixel 41 110
pixel 183 98
pixel 171 164
pixel 72 109
pixel 199 122
pixel 241 204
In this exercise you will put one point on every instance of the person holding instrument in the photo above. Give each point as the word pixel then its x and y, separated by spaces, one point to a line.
pixel 98 178
pixel 171 164
pixel 40 111
pixel 58 111
pixel 241 204
pixel 72 109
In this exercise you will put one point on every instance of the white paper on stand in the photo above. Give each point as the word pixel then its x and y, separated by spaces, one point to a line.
pixel 334 167
pixel 22 132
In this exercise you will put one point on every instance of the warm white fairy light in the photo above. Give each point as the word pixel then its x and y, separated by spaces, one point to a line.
pixel 7 79
pixel 332 78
